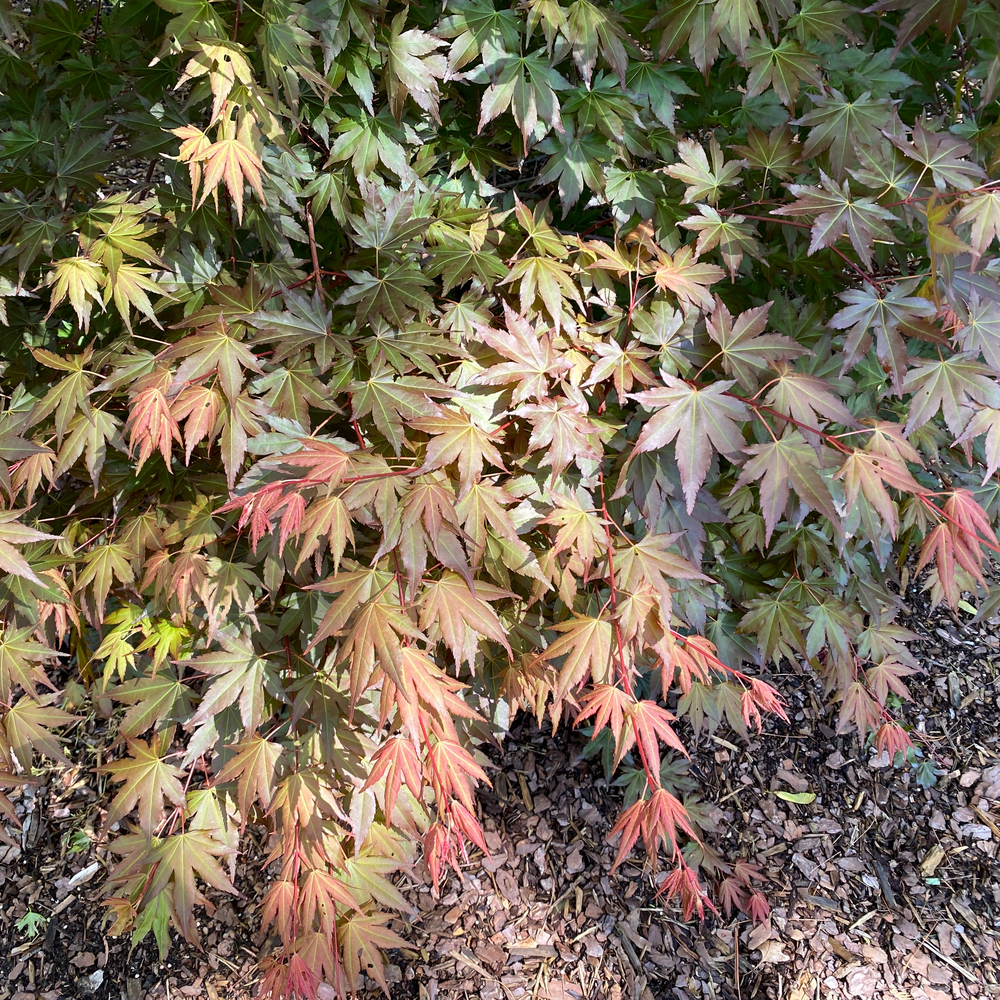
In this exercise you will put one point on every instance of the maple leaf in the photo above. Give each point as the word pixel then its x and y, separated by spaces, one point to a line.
pixel 806 398
pixel 527 85
pixel 561 425
pixel 240 678
pixel 957 543
pixel 841 126
pixel 704 182
pixel 230 159
pixel 457 439
pixel 377 629
pixel 982 210
pixel 360 939
pixel 888 676
pixel 652 562
pixel 836 212
pixel 864 472
pixel 784 66
pixel 149 780
pixel 732 235
pixel 413 68
pixel 213 350
pixel 150 420
pixel 152 700
pixel 700 420
pixel 460 614
pixel 391 399
pixel 686 278
pixel 860 709
pixel 980 332
pixel 12 533
pixel 104 565
pixel 868 309
pixel 607 704
pixel 743 346
pixel 949 385
pixel 27 724
pixel 650 723
pixel 533 359
pixel 449 767
pixel 396 762
pixel 80 280
pixel 586 643
pixel 625 365
pixel 20 656
pixel 891 738
pixel 254 768
pixel 778 625
pixel 789 460
pixel 177 860
pixel 942 154
pixel 984 421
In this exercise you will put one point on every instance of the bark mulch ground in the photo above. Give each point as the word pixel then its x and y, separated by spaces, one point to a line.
pixel 880 888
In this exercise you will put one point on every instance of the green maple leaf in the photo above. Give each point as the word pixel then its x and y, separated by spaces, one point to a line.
pixel 835 626
pixel 744 348
pixel 943 155
pixel 396 293
pixel 575 158
pixel 368 140
pixel 822 19
pixel 656 86
pixel 777 624
pixel 153 699
pixel 148 781
pixel 104 565
pixel 841 126
pixel 836 212
pixel 13 533
pixel 980 333
pixel 789 460
pixel 20 658
pixel 457 262
pixel 604 107
pixel 413 68
pixel 360 939
pixel 702 420
pixel 240 678
pixel 773 152
pixel 254 768
pixel 27 726
pixel 527 85
pixel 867 310
pixel 949 385
pixel 784 67
pixel 213 351
pixel 704 182
pixel 177 860
pixel 983 211
pixel 391 399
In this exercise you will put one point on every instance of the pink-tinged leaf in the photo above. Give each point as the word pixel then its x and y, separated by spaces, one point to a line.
pixel 700 420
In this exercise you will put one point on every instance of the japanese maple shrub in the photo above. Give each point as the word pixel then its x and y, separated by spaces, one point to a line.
pixel 374 371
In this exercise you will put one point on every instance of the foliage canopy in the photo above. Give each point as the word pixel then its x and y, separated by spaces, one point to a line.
pixel 373 371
